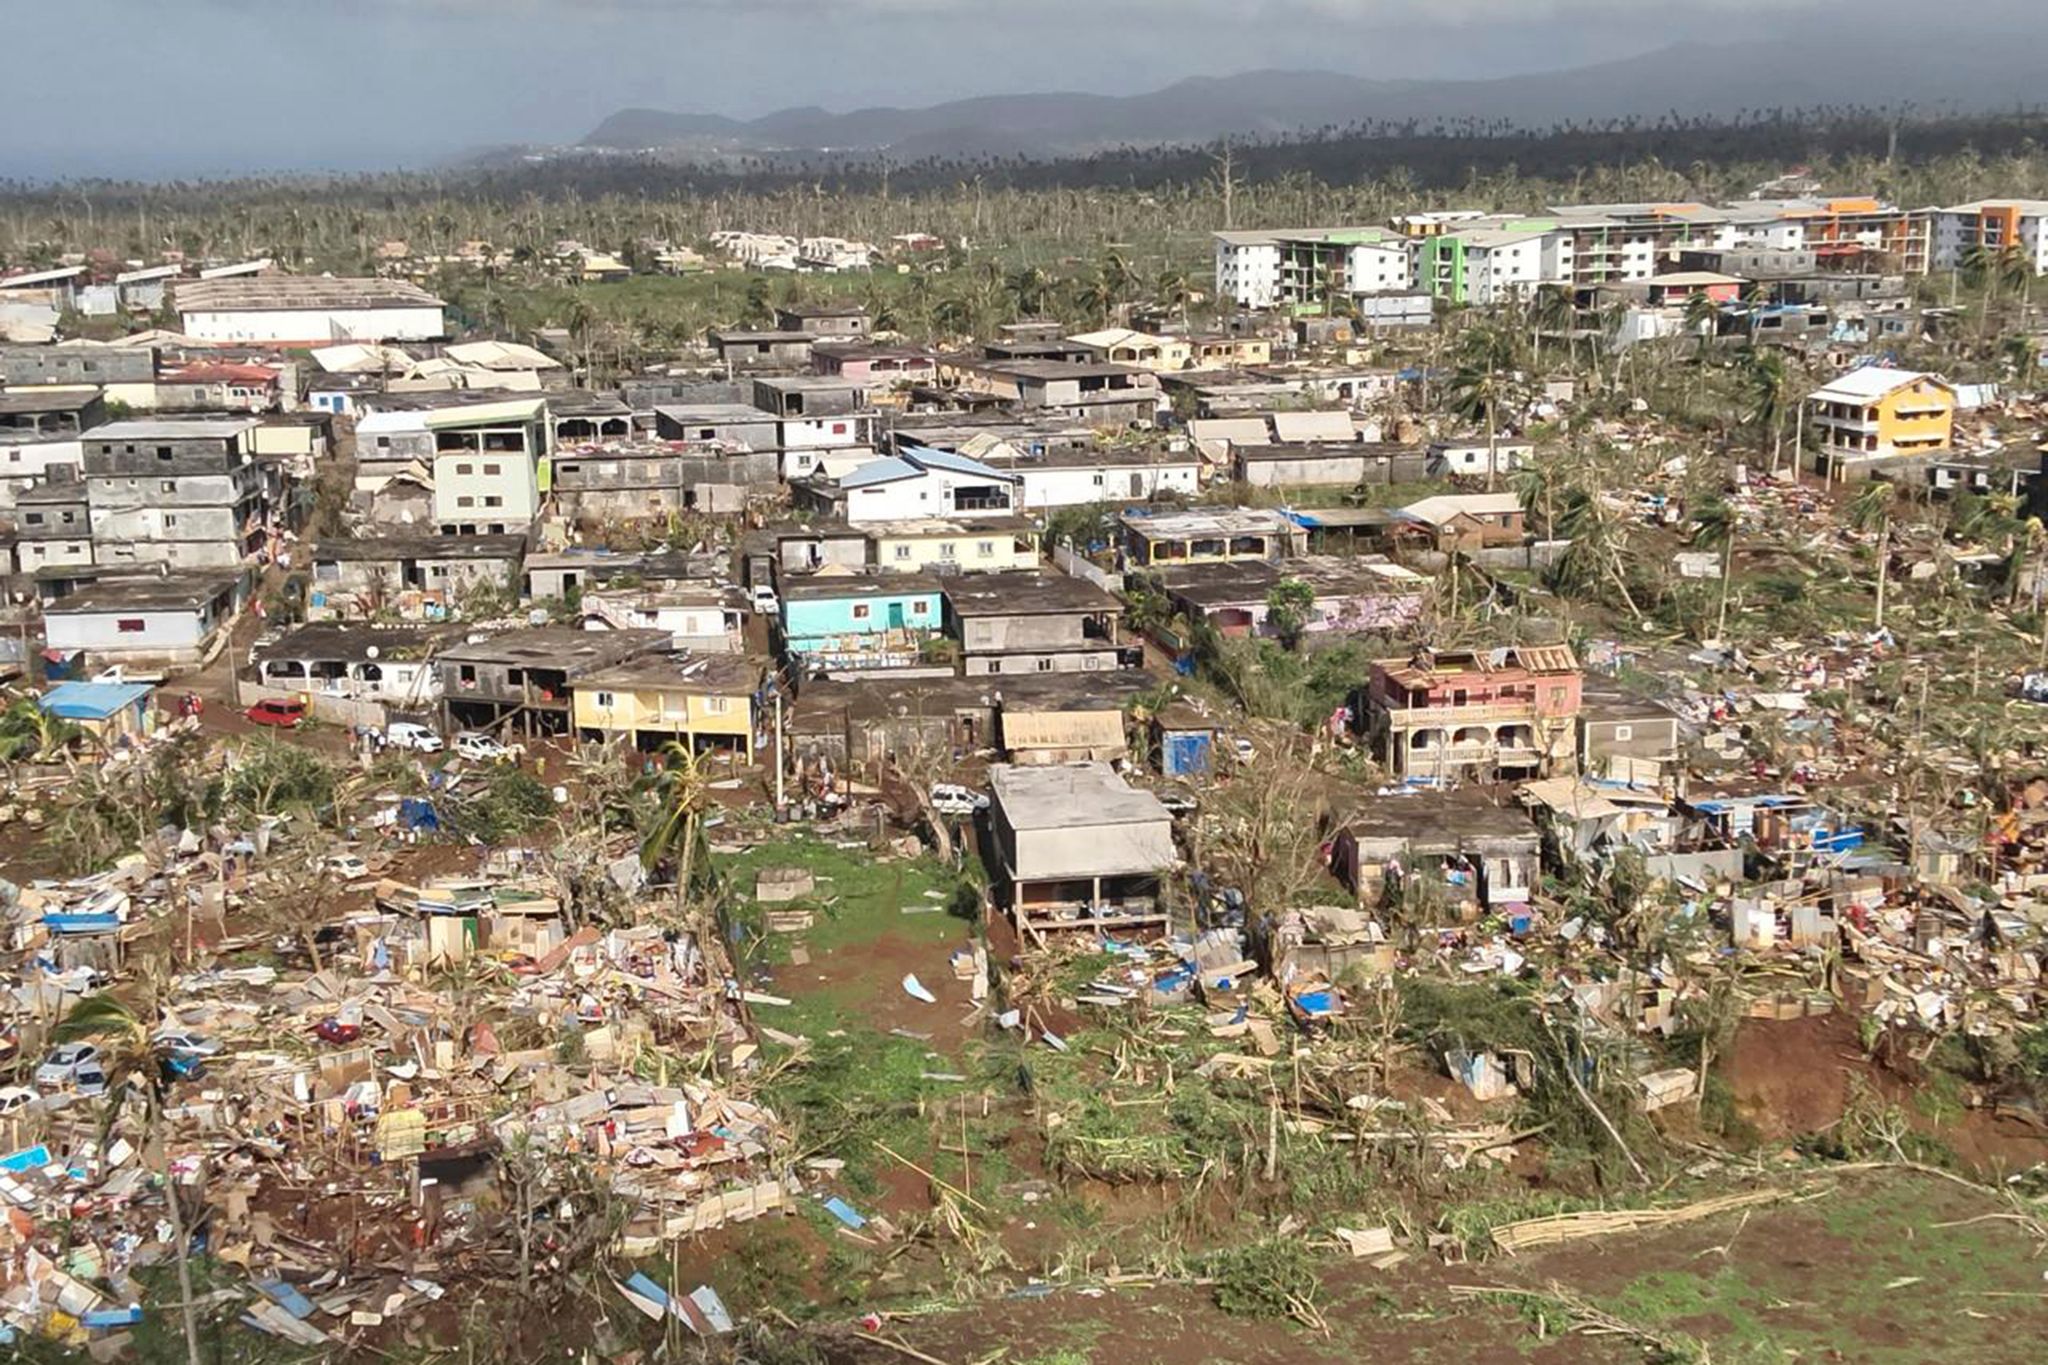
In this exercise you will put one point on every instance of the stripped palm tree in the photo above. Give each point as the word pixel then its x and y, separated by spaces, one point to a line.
pixel 1714 525
pixel 1872 507
pixel 1552 311
pixel 1764 369
pixel 1701 313
pixel 123 1035
pixel 677 835
pixel 1484 380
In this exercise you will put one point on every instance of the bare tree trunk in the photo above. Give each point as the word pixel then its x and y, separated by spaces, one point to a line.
pixel 180 1246
pixel 1727 581
pixel 1884 556
pixel 1492 442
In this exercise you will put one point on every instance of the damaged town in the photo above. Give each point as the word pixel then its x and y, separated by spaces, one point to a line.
pixel 1268 815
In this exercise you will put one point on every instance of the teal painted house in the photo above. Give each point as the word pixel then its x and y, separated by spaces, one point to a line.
pixel 832 622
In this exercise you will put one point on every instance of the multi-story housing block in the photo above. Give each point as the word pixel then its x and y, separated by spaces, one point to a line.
pixel 1476 714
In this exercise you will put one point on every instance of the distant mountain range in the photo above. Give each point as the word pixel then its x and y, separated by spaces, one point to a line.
pixel 1956 71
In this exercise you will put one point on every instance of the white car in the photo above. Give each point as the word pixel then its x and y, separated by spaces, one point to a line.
pixel 406 734
pixel 347 866
pixel 950 798
pixel 765 602
pixel 15 1098
pixel 188 1043
pixel 1242 747
pixel 481 748
pixel 65 1063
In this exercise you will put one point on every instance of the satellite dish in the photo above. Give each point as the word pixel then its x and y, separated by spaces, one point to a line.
pixel 372 652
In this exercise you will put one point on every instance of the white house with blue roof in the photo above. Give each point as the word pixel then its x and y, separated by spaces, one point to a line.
pixel 917 483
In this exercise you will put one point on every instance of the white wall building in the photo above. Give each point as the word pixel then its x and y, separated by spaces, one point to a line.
pixel 485 493
pixel 170 618
pixel 302 310
pixel 1379 268
pixel 1248 268
pixel 1275 269
pixel 1055 482
pixel 923 483
pixel 1994 224
pixel 31 555
pixel 29 463
pixel 1501 264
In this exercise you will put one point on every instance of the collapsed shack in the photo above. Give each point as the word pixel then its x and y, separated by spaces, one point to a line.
pixel 456 1096
pixel 1452 853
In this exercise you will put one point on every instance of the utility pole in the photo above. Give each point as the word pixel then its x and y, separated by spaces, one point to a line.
pixel 778 746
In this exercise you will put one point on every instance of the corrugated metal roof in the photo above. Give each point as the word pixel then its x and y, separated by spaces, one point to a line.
pixel 92 700
pixel 1063 729
pixel 931 457
pixel 887 469
pixel 1546 658
pixel 1870 382
pixel 1313 426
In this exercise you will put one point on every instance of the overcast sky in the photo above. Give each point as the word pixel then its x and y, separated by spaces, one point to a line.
pixel 146 87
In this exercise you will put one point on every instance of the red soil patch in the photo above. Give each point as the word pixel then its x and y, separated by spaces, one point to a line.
pixel 1791 1077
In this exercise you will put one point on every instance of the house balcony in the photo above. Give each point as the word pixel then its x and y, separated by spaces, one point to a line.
pixel 1472 754
pixel 1406 718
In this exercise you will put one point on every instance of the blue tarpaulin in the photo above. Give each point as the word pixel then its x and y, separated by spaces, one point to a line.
pixel 27 1159
pixel 287 1298
pixel 59 922
pixel 845 1213
pixel 416 812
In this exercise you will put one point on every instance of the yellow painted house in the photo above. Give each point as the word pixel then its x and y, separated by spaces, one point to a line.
pixel 1229 352
pixel 939 544
pixel 1122 346
pixel 1872 414
pixel 703 700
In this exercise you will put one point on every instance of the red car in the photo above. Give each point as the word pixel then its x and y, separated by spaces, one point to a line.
pixel 285 715
pixel 335 1031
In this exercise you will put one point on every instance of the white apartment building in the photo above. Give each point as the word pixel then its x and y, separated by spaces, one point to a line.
pixel 486 466
pixel 1248 268
pixel 1500 264
pixel 1280 269
pixel 1378 268
pixel 485 493
pixel 1994 224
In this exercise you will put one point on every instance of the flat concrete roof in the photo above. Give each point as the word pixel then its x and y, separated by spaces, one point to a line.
pixel 1025 593
pixel 826 587
pixel 1438 820
pixel 1071 796
pixel 708 674
pixel 563 648
pixel 172 429
pixel 144 592
pixel 340 640
pixel 70 398
pixel 421 547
